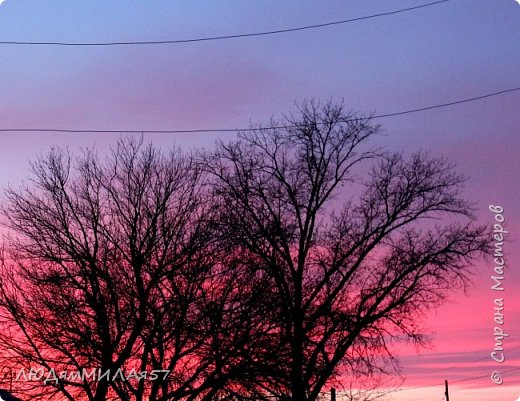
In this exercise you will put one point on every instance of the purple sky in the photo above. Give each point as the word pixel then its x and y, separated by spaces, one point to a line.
pixel 442 53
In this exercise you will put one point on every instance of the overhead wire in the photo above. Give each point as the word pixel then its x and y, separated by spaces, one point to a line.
pixel 216 130
pixel 222 37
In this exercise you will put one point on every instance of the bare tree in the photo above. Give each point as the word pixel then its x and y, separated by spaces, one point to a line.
pixel 352 267
pixel 265 269
pixel 109 266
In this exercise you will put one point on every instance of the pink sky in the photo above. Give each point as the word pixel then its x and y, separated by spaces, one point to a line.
pixel 447 52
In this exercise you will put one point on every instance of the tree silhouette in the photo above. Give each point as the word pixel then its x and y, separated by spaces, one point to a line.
pixel 353 264
pixel 109 267
pixel 279 263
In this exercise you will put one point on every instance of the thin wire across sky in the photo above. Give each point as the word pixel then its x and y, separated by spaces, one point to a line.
pixel 224 37
pixel 216 130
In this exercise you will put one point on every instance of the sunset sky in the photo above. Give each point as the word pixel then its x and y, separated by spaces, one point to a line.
pixel 446 52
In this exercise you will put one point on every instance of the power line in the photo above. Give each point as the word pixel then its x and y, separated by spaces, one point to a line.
pixel 432 385
pixel 207 130
pixel 482 359
pixel 484 376
pixel 211 38
pixel 452 382
pixel 456 381
pixel 438 106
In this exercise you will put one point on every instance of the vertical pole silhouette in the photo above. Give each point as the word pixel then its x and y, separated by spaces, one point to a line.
pixel 332 394
pixel 446 392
